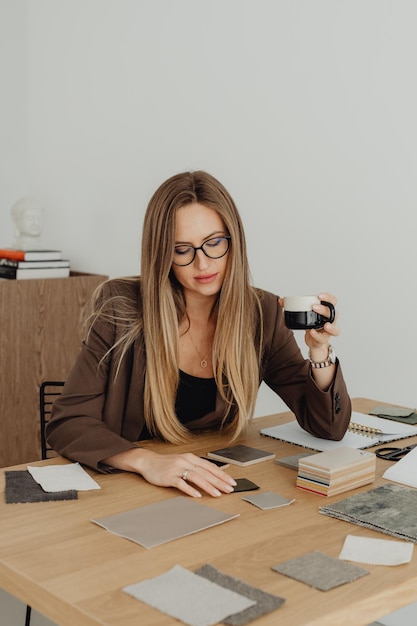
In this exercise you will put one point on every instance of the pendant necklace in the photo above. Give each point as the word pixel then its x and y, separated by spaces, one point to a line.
pixel 203 361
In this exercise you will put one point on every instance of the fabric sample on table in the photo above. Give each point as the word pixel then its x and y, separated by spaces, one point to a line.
pixel 192 599
pixel 148 525
pixel 20 487
pixel 267 500
pixel 390 509
pixel 292 461
pixel 320 571
pixel 62 477
pixel 265 602
pixel 376 551
pixel 399 414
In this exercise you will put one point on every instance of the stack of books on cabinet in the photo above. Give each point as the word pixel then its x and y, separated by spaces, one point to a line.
pixel 335 471
pixel 24 264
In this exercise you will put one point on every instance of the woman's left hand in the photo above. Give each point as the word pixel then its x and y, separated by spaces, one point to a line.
pixel 318 340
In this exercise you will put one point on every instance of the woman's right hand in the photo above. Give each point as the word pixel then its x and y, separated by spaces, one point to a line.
pixel 187 472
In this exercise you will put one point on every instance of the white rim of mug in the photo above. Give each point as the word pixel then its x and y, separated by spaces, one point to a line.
pixel 299 304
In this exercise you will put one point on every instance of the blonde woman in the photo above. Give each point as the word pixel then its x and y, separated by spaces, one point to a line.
pixel 185 347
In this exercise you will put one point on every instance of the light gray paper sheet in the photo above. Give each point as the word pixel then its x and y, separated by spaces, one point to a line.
pixel 267 500
pixel 390 509
pixel 163 521
pixel 188 597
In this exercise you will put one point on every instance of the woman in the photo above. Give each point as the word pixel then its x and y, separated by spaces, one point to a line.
pixel 185 347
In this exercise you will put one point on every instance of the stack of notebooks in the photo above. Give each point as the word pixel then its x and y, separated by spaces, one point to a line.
pixel 23 264
pixel 335 471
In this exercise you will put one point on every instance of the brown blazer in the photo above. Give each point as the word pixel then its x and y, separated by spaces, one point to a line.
pixel 98 416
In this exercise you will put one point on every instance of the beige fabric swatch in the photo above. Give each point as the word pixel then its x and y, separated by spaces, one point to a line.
pixel 163 521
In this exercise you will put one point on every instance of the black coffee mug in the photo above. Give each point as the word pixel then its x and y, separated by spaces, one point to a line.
pixel 299 314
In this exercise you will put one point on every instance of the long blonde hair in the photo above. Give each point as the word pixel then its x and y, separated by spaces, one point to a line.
pixel 236 345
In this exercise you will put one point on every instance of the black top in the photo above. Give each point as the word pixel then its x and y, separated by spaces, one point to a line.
pixel 195 397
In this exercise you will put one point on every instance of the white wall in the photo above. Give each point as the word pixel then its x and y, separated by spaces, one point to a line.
pixel 13 110
pixel 305 110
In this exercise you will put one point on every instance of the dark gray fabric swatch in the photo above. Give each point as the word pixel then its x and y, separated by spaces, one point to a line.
pixel 21 487
pixel 292 461
pixel 320 571
pixel 390 509
pixel 265 602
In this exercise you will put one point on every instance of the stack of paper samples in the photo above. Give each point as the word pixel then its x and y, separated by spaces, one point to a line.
pixel 335 471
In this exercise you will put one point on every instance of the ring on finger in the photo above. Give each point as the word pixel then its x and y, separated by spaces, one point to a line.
pixel 186 472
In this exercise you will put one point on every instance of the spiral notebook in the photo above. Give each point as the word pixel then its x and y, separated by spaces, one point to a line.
pixel 364 431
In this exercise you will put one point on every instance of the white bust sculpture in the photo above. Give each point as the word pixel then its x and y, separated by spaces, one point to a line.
pixel 28 216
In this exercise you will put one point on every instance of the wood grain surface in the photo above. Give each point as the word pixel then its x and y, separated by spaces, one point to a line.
pixel 41 329
pixel 53 557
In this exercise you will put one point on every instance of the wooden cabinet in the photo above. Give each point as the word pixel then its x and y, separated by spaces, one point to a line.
pixel 41 327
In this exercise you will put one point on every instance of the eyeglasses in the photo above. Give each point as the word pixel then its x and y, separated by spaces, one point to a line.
pixel 213 248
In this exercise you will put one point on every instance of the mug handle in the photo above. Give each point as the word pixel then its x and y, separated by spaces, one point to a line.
pixel 332 311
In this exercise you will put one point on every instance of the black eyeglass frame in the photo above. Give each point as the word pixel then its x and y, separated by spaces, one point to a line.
pixel 228 239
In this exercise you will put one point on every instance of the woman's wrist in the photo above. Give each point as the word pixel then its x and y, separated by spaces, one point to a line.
pixel 320 354
pixel 318 362
pixel 130 460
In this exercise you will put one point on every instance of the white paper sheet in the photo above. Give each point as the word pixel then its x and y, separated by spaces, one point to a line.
pixel 405 470
pixel 376 551
pixel 62 477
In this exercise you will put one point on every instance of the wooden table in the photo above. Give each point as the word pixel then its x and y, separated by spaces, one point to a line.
pixel 71 570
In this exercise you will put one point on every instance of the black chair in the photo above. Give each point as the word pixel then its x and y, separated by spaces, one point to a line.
pixel 48 392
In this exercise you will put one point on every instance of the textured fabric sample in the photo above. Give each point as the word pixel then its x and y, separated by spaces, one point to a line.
pixel 320 571
pixel 163 521
pixel 20 487
pixel 265 602
pixel 188 597
pixel 376 551
pixel 390 509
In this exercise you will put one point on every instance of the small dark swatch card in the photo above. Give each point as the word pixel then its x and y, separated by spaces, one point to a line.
pixel 240 455
pixel 244 484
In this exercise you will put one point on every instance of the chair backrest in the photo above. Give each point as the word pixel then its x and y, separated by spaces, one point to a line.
pixel 48 392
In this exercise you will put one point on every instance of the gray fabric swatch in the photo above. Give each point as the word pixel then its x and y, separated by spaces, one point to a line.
pixel 390 509
pixel 147 525
pixel 320 571
pixel 400 414
pixel 292 461
pixel 21 487
pixel 265 602
pixel 188 597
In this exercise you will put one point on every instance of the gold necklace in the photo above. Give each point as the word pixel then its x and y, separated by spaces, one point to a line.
pixel 203 361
